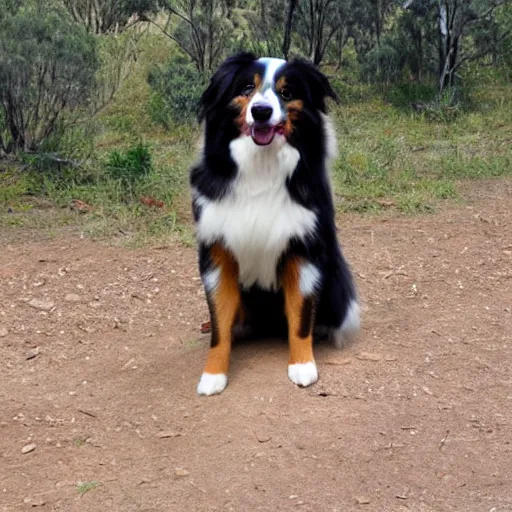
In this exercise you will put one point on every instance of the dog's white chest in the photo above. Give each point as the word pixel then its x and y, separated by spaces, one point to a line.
pixel 258 218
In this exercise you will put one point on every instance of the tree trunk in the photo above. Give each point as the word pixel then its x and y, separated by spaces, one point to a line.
pixel 340 44
pixel 287 40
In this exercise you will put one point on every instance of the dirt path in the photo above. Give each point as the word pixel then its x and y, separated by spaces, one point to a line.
pixel 99 374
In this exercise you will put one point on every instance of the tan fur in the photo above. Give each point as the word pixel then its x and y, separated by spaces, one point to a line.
pixel 226 303
pixel 294 108
pixel 280 84
pixel 301 349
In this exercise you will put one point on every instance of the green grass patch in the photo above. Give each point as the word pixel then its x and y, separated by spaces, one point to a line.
pixel 79 441
pixel 395 157
pixel 84 487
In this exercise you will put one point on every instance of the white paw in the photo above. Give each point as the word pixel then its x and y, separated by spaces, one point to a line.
pixel 212 383
pixel 303 374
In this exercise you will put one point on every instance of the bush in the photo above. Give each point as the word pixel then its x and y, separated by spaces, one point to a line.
pixel 383 64
pixel 176 93
pixel 444 109
pixel 130 167
pixel 405 95
pixel 47 68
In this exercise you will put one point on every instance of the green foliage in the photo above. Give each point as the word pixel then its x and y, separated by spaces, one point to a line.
pixel 13 186
pixel 383 64
pixel 130 166
pixel 390 156
pixel 202 29
pixel 404 95
pixel 84 487
pixel 107 16
pixel 176 89
pixel 117 55
pixel 44 72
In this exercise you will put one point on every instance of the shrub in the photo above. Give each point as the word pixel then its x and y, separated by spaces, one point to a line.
pixel 129 167
pixel 176 93
pixel 383 64
pixel 47 67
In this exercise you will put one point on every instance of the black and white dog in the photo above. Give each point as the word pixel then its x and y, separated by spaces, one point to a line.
pixel 268 254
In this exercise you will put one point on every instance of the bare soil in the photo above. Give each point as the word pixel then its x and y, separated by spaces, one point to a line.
pixel 98 377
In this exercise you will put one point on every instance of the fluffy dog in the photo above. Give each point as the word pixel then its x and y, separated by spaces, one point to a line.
pixel 262 202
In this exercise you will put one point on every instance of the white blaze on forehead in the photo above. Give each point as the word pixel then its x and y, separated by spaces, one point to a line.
pixel 271 67
pixel 267 94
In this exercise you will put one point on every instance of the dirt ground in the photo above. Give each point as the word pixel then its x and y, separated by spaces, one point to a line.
pixel 101 352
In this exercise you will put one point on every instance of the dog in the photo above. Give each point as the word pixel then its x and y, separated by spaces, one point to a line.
pixel 262 203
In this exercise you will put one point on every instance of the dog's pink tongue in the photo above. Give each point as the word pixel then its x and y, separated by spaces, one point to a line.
pixel 262 135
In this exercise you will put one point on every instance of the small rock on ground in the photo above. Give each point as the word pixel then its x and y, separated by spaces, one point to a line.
pixel 34 502
pixel 31 354
pixel 72 297
pixel 42 304
pixel 28 448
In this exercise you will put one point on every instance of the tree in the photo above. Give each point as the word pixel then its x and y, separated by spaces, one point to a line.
pixel 369 23
pixel 47 67
pixel 318 22
pixel 456 21
pixel 201 28
pixel 287 38
pixel 107 16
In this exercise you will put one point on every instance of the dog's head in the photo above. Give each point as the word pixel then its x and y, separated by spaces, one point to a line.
pixel 265 98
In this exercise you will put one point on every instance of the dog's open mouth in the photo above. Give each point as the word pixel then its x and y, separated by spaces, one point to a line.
pixel 263 134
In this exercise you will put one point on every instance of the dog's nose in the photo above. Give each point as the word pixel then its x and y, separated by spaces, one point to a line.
pixel 261 112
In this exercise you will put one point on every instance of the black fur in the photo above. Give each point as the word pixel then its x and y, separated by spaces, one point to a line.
pixel 308 186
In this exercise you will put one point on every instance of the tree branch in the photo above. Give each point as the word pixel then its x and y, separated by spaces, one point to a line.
pixel 477 55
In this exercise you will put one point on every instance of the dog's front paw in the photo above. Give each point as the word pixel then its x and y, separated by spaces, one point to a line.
pixel 212 383
pixel 303 374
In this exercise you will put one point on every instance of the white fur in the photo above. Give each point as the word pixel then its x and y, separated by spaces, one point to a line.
pixel 309 279
pixel 267 95
pixel 271 66
pixel 267 98
pixel 330 138
pixel 350 326
pixel 303 374
pixel 211 279
pixel 257 218
pixel 212 383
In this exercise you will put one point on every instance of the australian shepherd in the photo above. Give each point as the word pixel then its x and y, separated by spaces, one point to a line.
pixel 268 254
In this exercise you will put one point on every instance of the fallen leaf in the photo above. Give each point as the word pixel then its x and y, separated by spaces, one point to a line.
pixel 152 202
pixel 80 206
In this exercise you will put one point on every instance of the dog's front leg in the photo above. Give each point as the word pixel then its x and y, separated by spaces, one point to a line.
pixel 222 291
pixel 300 282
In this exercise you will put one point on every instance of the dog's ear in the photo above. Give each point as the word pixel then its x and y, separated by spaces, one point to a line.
pixel 317 84
pixel 222 81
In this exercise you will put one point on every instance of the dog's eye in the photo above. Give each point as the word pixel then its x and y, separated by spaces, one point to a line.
pixel 285 94
pixel 246 91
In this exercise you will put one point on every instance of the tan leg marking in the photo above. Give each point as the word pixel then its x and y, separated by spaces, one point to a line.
pixel 225 302
pixel 299 314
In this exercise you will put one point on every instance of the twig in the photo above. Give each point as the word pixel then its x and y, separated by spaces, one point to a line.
pixel 443 441
pixel 87 413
